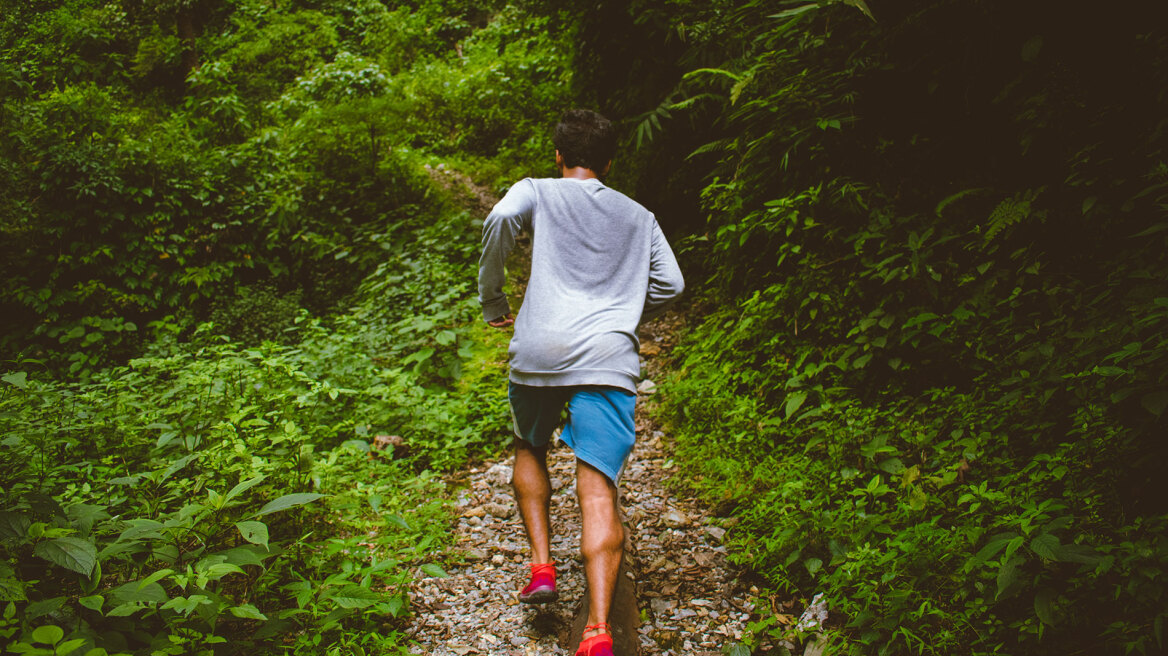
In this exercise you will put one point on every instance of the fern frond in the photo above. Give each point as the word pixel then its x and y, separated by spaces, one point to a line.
pixel 1010 211
pixel 719 146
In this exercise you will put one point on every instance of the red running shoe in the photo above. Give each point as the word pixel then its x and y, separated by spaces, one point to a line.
pixel 599 644
pixel 542 588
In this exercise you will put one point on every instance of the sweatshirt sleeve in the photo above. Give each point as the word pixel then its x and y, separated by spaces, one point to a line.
pixel 665 281
pixel 510 216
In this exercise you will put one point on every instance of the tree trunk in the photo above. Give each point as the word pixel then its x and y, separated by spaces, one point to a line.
pixel 188 34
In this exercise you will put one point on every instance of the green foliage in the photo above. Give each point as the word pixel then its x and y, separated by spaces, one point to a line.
pixel 257 313
pixel 933 352
pixel 179 486
pixel 184 527
pixel 501 92
pixel 282 145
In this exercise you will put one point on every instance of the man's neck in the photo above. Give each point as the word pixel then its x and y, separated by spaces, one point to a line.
pixel 579 173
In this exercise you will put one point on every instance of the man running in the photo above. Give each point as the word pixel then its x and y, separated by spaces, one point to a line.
pixel 600 265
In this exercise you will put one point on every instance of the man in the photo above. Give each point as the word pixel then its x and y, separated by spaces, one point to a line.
pixel 599 266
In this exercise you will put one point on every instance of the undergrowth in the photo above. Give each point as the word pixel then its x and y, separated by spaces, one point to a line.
pixel 244 342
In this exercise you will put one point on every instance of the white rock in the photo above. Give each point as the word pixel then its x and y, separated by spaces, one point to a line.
pixel 674 518
pixel 815 614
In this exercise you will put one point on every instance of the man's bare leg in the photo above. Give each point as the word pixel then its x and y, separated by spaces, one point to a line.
pixel 533 494
pixel 603 541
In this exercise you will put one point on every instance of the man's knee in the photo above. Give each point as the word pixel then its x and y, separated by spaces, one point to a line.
pixel 604 540
pixel 530 460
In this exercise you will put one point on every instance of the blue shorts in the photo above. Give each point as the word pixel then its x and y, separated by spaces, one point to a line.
pixel 599 428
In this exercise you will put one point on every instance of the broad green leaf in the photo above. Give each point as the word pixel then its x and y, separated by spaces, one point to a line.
pixel 14 525
pixel 125 610
pixel 1007 576
pixel 1013 546
pixel 738 649
pixel 219 570
pixel 177 465
pixel 397 520
pixel 247 555
pixel 1046 546
pixel 242 487
pixel 991 549
pixel 18 378
pixel 1043 606
pixel 84 516
pixel 247 612
pixel 164 438
pixel 72 553
pixel 917 499
pixel 394 605
pixel 43 607
pixel 794 402
pixel 813 565
pixel 69 646
pixel 924 317
pixel 360 446
pixel 434 570
pixel 131 593
pixel 330 620
pixel 88 586
pixel 254 532
pixel 1078 553
pixel 141 528
pixel 48 634
pixel 419 356
pixel 186 605
pixel 155 577
pixel 355 596
pixel 287 501
pixel 92 602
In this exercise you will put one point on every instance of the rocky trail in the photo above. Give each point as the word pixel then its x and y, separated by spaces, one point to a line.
pixel 690 600
pixel 681 595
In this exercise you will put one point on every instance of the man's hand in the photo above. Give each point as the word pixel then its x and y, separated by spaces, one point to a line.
pixel 501 322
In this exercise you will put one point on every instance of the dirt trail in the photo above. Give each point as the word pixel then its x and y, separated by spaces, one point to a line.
pixel 691 601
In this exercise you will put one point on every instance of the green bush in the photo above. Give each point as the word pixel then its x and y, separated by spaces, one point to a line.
pixel 932 357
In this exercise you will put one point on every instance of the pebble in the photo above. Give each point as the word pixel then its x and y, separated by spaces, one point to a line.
pixel 715 532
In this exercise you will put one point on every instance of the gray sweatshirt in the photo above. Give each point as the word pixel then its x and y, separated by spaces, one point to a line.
pixel 599 266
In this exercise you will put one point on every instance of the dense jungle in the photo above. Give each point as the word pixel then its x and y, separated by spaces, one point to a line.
pixel 921 364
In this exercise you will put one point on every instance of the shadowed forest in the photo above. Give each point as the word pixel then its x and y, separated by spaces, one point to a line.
pixel 924 362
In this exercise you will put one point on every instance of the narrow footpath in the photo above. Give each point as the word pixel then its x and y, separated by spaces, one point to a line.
pixel 691 600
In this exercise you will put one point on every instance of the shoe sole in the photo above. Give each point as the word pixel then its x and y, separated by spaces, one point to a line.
pixel 541 596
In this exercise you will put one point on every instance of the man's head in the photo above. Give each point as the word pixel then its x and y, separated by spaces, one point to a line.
pixel 585 138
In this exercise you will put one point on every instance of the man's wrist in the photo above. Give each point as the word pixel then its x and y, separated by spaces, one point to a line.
pixel 501 321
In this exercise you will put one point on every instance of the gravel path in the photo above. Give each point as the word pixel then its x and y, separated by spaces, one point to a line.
pixel 691 600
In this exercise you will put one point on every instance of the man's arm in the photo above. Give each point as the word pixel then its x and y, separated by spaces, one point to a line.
pixel 665 281
pixel 510 216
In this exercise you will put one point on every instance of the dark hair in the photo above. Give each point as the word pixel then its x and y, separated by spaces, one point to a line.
pixel 585 138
